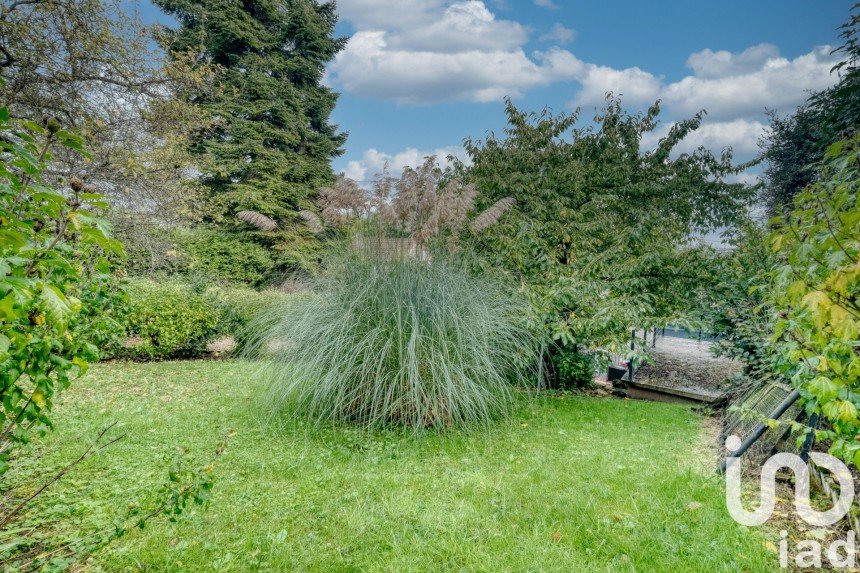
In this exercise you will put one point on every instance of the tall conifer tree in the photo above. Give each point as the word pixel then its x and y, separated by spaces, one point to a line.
pixel 270 142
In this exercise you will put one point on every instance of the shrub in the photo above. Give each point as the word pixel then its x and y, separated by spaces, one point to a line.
pixel 398 342
pixel 226 257
pixel 572 369
pixel 242 309
pixel 171 319
pixel 166 320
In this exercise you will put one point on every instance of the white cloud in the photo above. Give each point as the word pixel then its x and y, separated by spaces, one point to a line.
pixel 637 87
pixel 559 34
pixel 710 64
pixel 370 67
pixel 444 52
pixel 742 85
pixel 374 161
pixel 728 86
pixel 558 65
pixel 546 4
pixel 464 26
pixel 740 134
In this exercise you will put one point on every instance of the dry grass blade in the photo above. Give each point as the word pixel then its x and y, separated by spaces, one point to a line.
pixel 222 345
pixel 258 220
pixel 313 221
pixel 492 214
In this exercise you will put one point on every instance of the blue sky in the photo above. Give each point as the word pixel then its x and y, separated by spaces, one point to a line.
pixel 418 76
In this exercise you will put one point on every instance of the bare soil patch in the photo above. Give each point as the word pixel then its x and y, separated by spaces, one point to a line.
pixel 684 363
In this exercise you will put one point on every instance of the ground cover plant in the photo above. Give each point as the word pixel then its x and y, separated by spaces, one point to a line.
pixel 548 489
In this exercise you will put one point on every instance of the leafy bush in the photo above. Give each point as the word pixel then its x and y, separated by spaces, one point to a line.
pixel 172 319
pixel 55 280
pixel 817 296
pixel 572 369
pixel 166 320
pixel 398 342
pixel 226 257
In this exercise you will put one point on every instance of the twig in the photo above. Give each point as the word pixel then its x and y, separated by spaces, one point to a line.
pixel 8 516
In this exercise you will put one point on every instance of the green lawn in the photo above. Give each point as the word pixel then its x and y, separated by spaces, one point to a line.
pixel 568 484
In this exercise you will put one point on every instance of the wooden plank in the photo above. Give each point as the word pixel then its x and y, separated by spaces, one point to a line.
pixel 645 391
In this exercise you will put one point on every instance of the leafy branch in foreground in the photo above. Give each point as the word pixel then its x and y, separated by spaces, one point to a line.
pixel 817 296
pixel 56 290
pixel 21 505
pixel 28 545
pixel 55 279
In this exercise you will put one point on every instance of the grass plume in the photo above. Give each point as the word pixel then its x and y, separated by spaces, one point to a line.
pixel 258 220
pixel 491 214
pixel 312 220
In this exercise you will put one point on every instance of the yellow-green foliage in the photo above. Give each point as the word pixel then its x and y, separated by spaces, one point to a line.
pixel 817 295
pixel 171 319
pixel 166 320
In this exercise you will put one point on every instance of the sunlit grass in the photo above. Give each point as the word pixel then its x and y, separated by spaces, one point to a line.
pixel 566 484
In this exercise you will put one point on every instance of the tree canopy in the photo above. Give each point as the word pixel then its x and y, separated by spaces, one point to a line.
pixel 795 145
pixel 602 226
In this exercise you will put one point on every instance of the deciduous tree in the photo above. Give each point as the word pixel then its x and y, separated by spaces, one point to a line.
pixel 601 231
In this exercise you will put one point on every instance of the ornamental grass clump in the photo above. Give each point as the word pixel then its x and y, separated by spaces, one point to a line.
pixel 387 341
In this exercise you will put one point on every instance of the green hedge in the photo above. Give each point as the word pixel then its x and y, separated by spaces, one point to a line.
pixel 168 319
pixel 243 308
pixel 226 257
